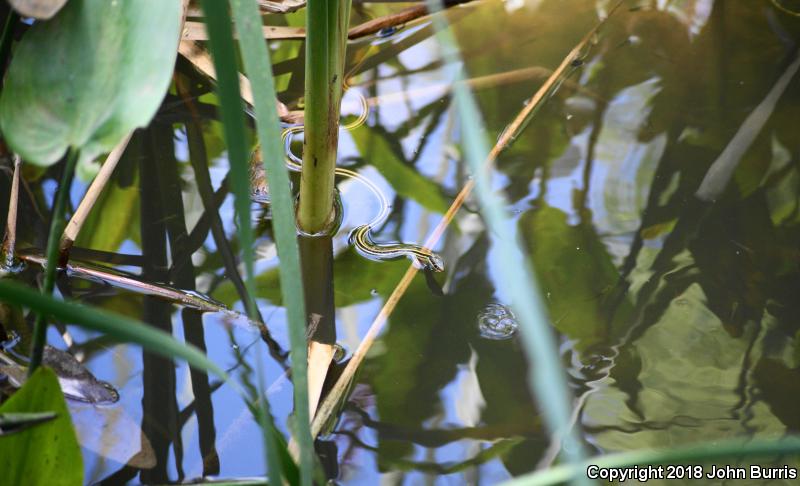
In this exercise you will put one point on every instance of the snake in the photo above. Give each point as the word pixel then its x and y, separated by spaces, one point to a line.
pixel 361 236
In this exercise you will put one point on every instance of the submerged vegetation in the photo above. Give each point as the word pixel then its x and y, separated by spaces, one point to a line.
pixel 583 233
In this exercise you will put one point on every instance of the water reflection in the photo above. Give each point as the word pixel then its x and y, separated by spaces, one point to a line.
pixel 676 317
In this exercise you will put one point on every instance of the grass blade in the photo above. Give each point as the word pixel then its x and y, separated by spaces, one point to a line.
pixel 257 65
pixel 547 379
pixel 57 222
pixel 220 41
pixel 113 325
pixel 326 38
pixel 727 450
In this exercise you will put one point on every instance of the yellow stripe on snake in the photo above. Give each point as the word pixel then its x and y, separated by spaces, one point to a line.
pixel 361 236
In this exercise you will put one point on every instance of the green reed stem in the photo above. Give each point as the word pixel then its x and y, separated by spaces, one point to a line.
pixel 258 67
pixel 57 223
pixel 231 107
pixel 326 40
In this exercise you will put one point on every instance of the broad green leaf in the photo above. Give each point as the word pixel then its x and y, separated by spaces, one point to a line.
pixel 404 179
pixel 88 77
pixel 47 453
pixel 575 271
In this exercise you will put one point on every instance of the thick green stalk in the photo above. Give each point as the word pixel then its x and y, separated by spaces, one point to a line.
pixel 326 38
pixel 57 222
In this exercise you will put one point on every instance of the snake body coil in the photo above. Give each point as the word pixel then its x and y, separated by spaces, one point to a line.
pixel 360 237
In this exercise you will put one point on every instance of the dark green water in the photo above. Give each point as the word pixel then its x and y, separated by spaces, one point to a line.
pixel 672 287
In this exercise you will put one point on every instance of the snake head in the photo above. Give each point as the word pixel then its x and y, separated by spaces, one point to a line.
pixel 431 261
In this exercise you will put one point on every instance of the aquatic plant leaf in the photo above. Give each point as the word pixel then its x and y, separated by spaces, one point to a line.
pixel 575 271
pixel 402 177
pixel 47 453
pixel 88 77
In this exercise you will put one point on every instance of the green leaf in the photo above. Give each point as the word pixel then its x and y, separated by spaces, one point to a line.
pixel 47 453
pixel 257 65
pixel 575 271
pixel 88 77
pixel 403 178
pixel 231 107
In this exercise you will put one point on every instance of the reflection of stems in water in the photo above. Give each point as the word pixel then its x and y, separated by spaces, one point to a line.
pixel 329 405
pixel 182 274
pixel 481 82
pixel 199 160
pixel 485 455
pixel 201 228
pixel 51 254
pixel 316 261
pixel 721 171
pixel 89 199
pixel 159 405
pixel 10 238
pixel 109 257
pixel 712 186
pixel 442 437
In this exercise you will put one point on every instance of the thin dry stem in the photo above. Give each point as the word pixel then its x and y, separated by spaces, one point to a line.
pixel 480 82
pixel 10 239
pixel 386 21
pixel 89 199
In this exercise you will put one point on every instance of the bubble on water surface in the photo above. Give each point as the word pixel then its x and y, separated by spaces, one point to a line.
pixel 497 322
pixel 339 352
